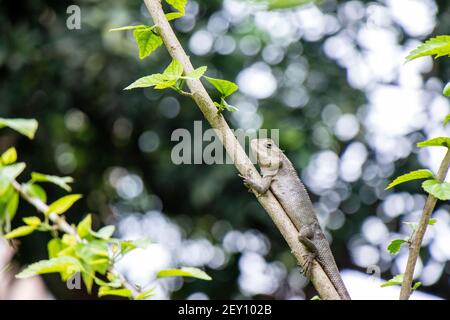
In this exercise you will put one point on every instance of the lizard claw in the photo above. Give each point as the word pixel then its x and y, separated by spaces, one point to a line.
pixel 247 182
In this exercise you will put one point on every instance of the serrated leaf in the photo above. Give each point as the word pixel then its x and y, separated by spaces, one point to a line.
pixel 184 272
pixel 20 232
pixel 436 142
pixel 438 46
pixel 432 222
pixel 440 190
pixel 147 81
pixel 106 291
pixel 85 226
pixel 395 245
pixel 62 182
pixel 9 156
pixel 140 26
pixel 178 4
pixel 35 191
pixel 147 41
pixel 68 265
pixel 414 175
pixel 225 87
pixel 26 127
pixel 396 280
pixel 174 70
pixel 63 204
pixel 196 74
pixel 32 221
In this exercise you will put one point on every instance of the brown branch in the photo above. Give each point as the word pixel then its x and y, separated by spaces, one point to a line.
pixel 63 226
pixel 416 243
pixel 240 159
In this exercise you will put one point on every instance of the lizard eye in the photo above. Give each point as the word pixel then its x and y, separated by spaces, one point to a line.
pixel 269 145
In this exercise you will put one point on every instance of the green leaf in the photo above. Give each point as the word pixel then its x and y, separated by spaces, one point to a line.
pixel 105 232
pixel 27 127
pixel 184 272
pixel 228 106
pixel 174 70
pixel 32 221
pixel 196 74
pixel 11 205
pixel 63 204
pixel 8 174
pixel 438 46
pixel 414 175
pixel 54 246
pixel 447 119
pixel 88 281
pixel 438 189
pixel 106 291
pixel 35 191
pixel 85 226
pixel 141 26
pixel 416 285
pixel 147 81
pixel 396 280
pixel 147 41
pixel 446 91
pixel 61 182
pixel 173 15
pixel 432 222
pixel 95 254
pixel 286 4
pixel 68 265
pixel 436 142
pixel 178 4
pixel 315 298
pixel 20 232
pixel 395 245
pixel 225 87
pixel 145 295
pixel 9 156
pixel 129 245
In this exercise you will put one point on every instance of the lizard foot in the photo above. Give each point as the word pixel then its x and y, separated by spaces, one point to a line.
pixel 307 267
pixel 247 183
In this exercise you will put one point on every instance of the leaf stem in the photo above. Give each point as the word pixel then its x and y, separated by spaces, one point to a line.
pixel 240 159
pixel 63 226
pixel 417 238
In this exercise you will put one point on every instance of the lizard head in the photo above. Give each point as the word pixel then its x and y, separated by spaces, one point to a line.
pixel 268 155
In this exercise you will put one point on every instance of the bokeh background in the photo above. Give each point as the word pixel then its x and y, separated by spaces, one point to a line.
pixel 331 77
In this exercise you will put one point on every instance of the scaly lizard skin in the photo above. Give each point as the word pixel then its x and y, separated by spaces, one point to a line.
pixel 279 175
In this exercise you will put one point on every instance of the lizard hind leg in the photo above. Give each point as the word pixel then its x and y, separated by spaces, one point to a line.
pixel 305 237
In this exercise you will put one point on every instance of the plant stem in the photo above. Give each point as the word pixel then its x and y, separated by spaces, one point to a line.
pixel 416 242
pixel 63 226
pixel 240 159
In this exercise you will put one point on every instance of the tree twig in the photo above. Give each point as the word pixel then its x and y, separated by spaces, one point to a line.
pixel 240 159
pixel 63 226
pixel 416 243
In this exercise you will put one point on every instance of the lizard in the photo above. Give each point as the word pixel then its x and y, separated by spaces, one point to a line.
pixel 280 176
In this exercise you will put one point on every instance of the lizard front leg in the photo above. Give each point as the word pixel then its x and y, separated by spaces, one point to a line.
pixel 305 236
pixel 261 185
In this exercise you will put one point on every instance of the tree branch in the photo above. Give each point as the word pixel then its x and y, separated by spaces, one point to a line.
pixel 63 226
pixel 240 159
pixel 416 243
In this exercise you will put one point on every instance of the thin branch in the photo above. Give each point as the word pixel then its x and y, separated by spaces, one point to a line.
pixel 240 159
pixel 416 242
pixel 63 226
